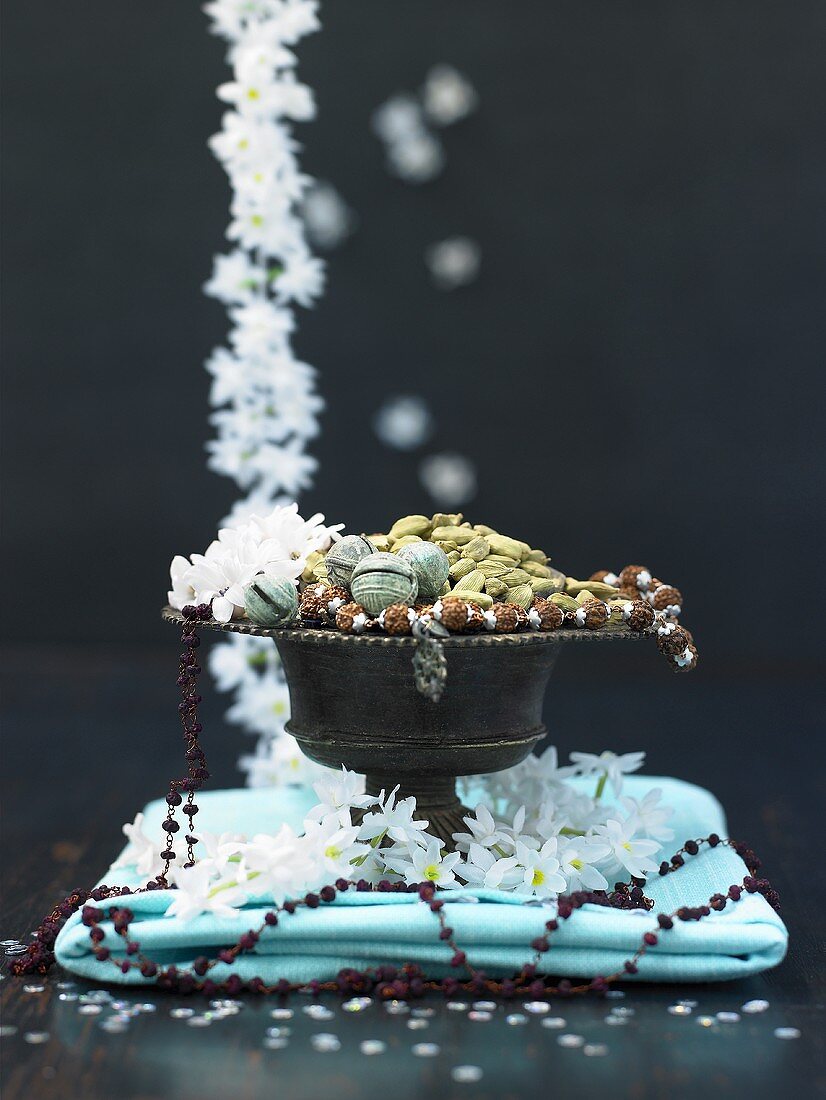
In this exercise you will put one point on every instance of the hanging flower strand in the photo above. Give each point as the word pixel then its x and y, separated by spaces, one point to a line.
pixel 265 400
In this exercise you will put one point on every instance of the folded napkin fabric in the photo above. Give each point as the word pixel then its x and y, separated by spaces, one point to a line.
pixel 360 930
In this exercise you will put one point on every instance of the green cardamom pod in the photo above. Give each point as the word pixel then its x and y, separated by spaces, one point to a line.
pixel 461 568
pixel 410 525
pixel 561 599
pixel 472 582
pixel 535 569
pixel 483 530
pixel 492 568
pixel 446 519
pixel 459 535
pixel 502 559
pixel 521 594
pixel 585 595
pixel 452 556
pixel 495 587
pixel 544 586
pixel 482 599
pixel 516 576
pixel 477 549
pixel 381 542
pixel 405 540
pixel 538 556
pixel 597 588
pixel 512 548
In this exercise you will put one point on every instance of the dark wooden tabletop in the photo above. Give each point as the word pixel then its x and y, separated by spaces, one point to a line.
pixel 89 737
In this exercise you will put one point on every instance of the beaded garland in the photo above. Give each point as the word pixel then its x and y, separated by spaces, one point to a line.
pixel 388 982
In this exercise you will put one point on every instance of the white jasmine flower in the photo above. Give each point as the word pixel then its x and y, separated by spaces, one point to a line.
pixel 277 866
pixel 483 828
pixel 141 852
pixel 301 280
pixel 577 857
pixel 235 278
pixel 485 869
pixel 238 660
pixel 197 892
pixel 339 793
pixel 609 764
pixel 652 816
pixel 335 843
pixel 393 819
pixel 540 869
pixel 218 851
pixel 328 219
pixel 426 865
pixel 632 854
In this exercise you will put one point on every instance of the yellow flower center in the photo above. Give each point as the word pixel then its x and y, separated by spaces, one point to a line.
pixel 253 93
pixel 627 846
pixel 432 872
pixel 332 852
pixel 257 220
pixel 538 878
pixel 577 864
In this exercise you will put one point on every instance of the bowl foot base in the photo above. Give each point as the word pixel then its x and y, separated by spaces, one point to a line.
pixel 436 802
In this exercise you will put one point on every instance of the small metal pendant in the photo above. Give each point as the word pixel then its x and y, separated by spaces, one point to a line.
pixel 429 661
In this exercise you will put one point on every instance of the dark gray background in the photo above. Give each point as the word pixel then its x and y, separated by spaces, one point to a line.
pixel 638 372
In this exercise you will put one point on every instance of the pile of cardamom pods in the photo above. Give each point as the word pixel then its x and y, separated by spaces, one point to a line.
pixel 493 582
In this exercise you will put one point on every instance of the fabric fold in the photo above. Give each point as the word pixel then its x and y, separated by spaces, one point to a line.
pixel 360 930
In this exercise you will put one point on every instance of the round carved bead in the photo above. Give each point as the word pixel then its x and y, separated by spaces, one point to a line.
pixel 344 555
pixel 544 615
pixel 502 618
pixel 352 618
pixel 672 642
pixel 685 661
pixel 522 621
pixel 604 576
pixel 635 576
pixel 380 580
pixel 667 598
pixel 271 601
pixel 313 608
pixel 453 614
pixel 476 619
pixel 430 566
pixel 396 619
pixel 639 616
pixel 592 614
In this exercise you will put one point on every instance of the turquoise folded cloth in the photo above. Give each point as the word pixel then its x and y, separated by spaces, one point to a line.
pixel 360 930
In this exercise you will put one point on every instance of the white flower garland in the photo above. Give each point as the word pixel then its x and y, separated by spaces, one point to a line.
pixel 564 840
pixel 265 399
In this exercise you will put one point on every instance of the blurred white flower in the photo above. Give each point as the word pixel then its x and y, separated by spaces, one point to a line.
pixel 651 815
pixel 196 894
pixel 540 869
pixel 141 852
pixel 577 857
pixel 447 95
pixel 453 262
pixel 328 220
pixel 631 853
pixel 426 864
pixel 403 423
pixel 609 764
pixel 450 479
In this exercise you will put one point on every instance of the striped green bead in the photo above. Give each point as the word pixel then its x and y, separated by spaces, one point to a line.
pixel 381 580
pixel 344 555
pixel 271 601
pixel 429 562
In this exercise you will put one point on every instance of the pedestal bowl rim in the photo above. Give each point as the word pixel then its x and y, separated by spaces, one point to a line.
pixel 332 636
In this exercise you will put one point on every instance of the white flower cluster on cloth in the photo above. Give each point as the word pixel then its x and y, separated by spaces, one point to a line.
pixel 276 544
pixel 562 841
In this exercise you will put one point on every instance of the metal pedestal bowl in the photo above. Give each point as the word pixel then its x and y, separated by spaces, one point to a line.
pixel 353 701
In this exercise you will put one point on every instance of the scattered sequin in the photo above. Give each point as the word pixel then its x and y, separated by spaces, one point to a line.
pixel 318 1012
pixel 9 943
pixel 751 1008
pixel 426 1050
pixel 181 1013
pixel 570 1041
pixel 595 1050
pixel 89 1010
pixel 36 1037
pixel 372 1046
pixel 466 1075
pixel 417 1025
pixel 225 1005
pixel 622 1011
pixel 537 1008
pixel 423 1013
pixel 325 1043
pixel 728 1017
pixel 479 1017
pixel 278 1032
pixel 145 1006
pixel 16 949
pixel 786 1033
pixel 616 1021
pixel 688 1004
pixel 554 1022
pixel 282 1014
pixel 6 1030
pixel 706 1021
pixel 114 1025
pixel 515 1019
pixel 33 988
pixel 397 1008
pixel 65 985
pixel 614 995
pixel 457 1006
pixel 276 1042
pixel 357 1004
pixel 99 995
pixel 485 1006
pixel 679 1010
pixel 200 1021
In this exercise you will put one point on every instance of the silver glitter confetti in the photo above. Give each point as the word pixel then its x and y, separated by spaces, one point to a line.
pixel 614 995
pixel 278 1032
pixel 397 1008
pixel 99 995
pixel 145 1006
pixel 9 943
pixel 728 1017
pixel 89 1010
pixel 426 1050
pixel 554 1022
pixel 537 1008
pixel 688 1004
pixel 616 1021
pixel 282 1014
pixel 227 1005
pixel 457 1006
pixel 318 1012
pixel 595 1050
pixel 357 1004
pixel 200 1021
pixel 65 985
pixel 114 1025
pixel 466 1075
pixel 16 949
pixel 418 1025
pixel 679 1010
pixel 516 1019
pixel 6 1030
pixel 484 1006
pixel 706 1021
pixel 622 1011
pixel 786 1033
pixel 67 996
pixel 479 1017
pixel 372 1046
pixel 570 1041
pixel 33 988
pixel 181 1013
pixel 325 1043
pixel 423 1013
pixel 751 1008
pixel 36 1037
